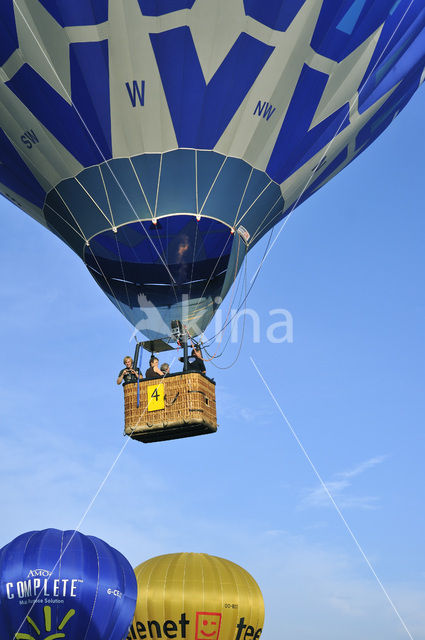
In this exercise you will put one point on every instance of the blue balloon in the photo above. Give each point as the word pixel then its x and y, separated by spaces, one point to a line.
pixel 161 139
pixel 63 584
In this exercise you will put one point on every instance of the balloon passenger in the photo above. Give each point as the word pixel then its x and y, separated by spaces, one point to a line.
pixel 129 374
pixel 195 361
pixel 154 372
pixel 165 368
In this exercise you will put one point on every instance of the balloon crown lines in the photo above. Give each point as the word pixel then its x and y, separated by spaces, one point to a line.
pixel 207 627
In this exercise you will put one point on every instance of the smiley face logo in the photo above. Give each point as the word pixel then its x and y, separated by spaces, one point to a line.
pixel 207 625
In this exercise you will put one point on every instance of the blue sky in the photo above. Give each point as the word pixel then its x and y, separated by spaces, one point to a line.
pixel 349 268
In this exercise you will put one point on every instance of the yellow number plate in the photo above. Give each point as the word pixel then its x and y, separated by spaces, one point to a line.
pixel 155 397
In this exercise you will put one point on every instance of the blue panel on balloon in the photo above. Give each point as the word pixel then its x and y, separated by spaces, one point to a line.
pixel 177 186
pixel 385 115
pixel 297 141
pixel 8 35
pixel 161 7
pixel 334 165
pixel 82 208
pixel 62 584
pixel 83 128
pixel 258 182
pixel 90 91
pixel 72 13
pixel 132 261
pixel 60 221
pixel 226 195
pixel 262 208
pixel 147 170
pixel 275 215
pixel 276 14
pixel 192 103
pixel 209 165
pixel 344 26
pixel 125 196
pixel 91 180
pixel 15 174
pixel 396 54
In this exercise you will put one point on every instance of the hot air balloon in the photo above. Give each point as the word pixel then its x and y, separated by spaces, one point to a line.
pixel 63 584
pixel 161 139
pixel 197 597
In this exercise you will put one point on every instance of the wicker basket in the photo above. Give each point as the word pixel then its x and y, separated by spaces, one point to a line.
pixel 177 406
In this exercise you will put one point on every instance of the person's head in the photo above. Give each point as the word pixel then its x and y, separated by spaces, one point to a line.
pixel 165 367
pixel 196 352
pixel 153 361
pixel 128 362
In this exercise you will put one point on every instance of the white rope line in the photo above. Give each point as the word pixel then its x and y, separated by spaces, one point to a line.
pixel 157 185
pixel 193 259
pixel 196 182
pixel 197 214
pixel 91 503
pixel 87 243
pixel 331 498
pixel 254 201
pixel 212 184
pixel 107 282
pixel 235 221
pixel 122 270
pixel 265 222
pixel 89 247
pixel 172 282
pixel 107 195
pixel 96 204
pixel 141 187
pixel 49 206
pixel 211 275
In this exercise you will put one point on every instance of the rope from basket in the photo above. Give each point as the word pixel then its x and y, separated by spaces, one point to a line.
pixel 228 311
pixel 138 379
pixel 197 348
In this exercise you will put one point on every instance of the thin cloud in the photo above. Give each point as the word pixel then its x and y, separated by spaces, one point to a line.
pixel 363 466
pixel 339 489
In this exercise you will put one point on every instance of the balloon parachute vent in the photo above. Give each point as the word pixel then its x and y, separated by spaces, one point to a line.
pixel 177 406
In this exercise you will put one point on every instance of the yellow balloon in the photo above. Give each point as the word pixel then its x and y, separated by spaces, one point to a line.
pixel 194 596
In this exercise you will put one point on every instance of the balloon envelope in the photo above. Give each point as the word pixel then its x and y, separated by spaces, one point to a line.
pixel 161 139
pixel 61 584
pixel 197 597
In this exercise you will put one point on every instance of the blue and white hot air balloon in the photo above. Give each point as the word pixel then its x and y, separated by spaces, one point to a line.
pixel 62 584
pixel 161 139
